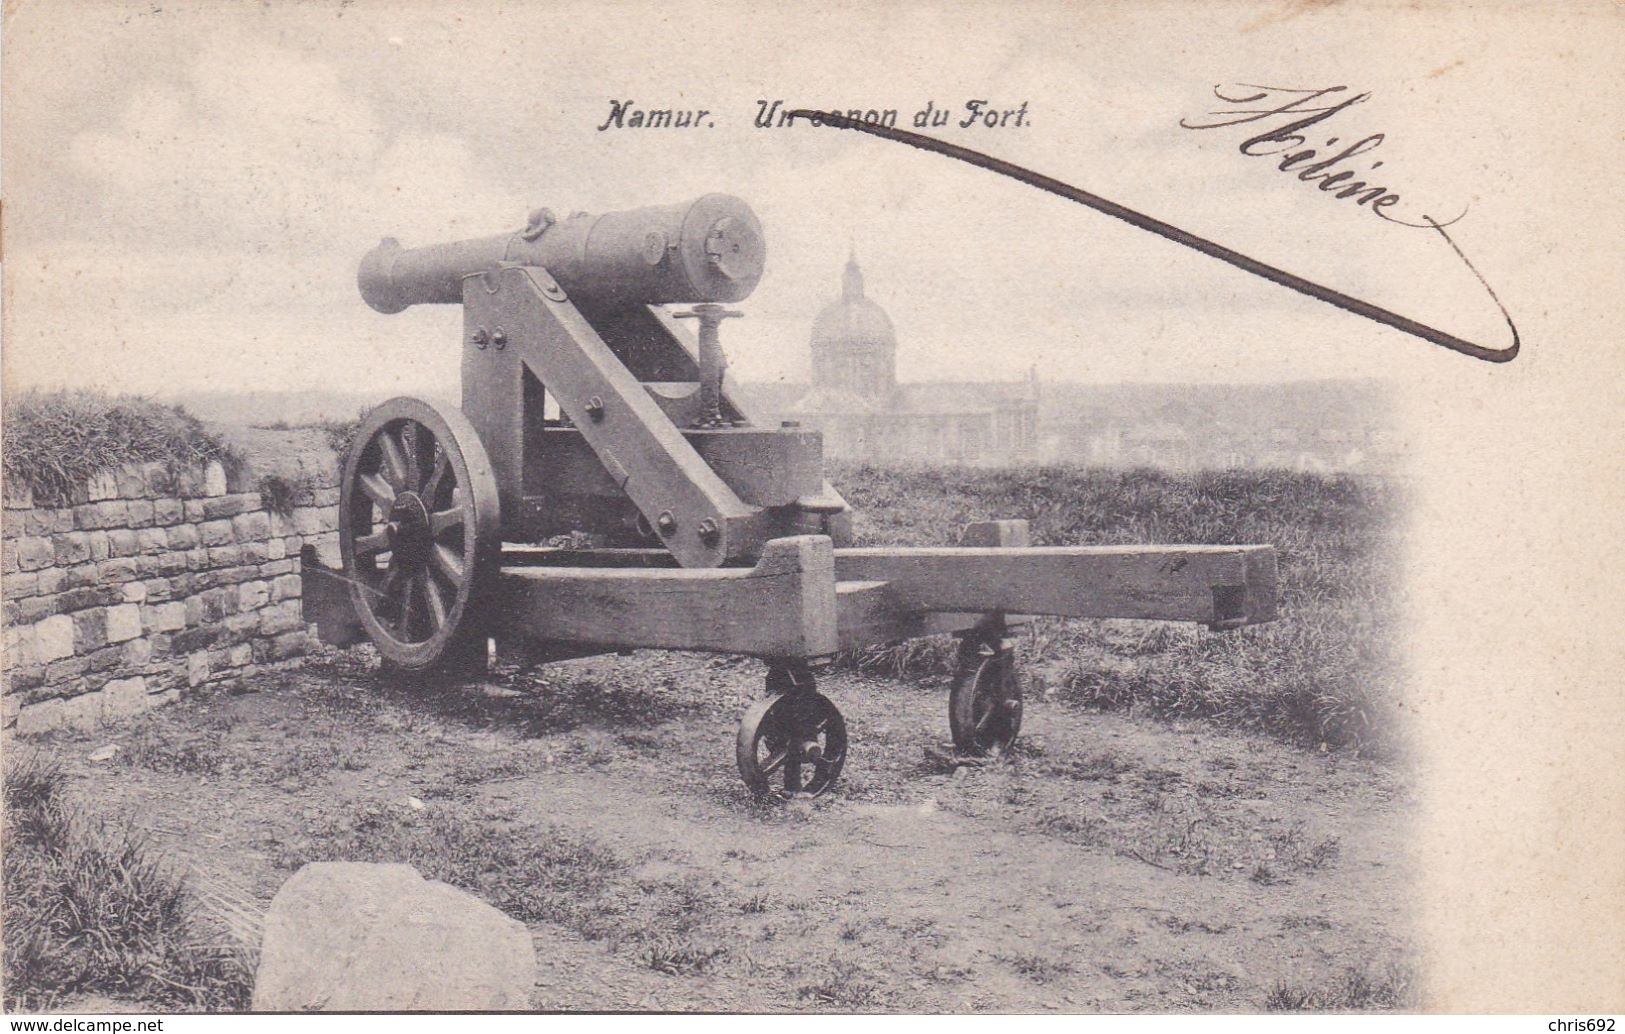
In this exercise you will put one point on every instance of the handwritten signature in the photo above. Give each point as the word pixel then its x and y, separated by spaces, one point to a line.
pixel 1296 106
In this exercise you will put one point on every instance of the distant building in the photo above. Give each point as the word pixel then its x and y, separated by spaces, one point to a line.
pixel 855 400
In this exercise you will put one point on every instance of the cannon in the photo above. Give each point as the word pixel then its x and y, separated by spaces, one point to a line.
pixel 600 490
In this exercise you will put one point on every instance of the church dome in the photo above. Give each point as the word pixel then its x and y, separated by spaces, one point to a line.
pixel 853 318
pixel 854 348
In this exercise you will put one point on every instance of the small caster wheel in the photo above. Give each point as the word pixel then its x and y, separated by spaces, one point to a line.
pixel 791 744
pixel 984 699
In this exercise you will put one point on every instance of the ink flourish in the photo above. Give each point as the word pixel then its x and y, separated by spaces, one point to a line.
pixel 1173 233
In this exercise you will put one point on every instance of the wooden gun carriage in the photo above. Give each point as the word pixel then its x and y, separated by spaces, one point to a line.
pixel 600 489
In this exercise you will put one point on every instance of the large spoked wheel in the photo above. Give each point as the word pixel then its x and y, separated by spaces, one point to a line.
pixel 792 742
pixel 420 533
pixel 984 699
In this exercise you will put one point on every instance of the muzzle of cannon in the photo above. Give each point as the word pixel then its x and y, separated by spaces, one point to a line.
pixel 706 250
pixel 600 490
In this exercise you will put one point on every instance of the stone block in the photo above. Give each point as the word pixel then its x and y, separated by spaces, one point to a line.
pixel 134 592
pixel 152 541
pixel 83 711
pixel 285 587
pixel 71 547
pixel 45 716
pixel 112 572
pixel 240 655
pixel 158 589
pixel 214 479
pixel 111 514
pixel 169 617
pixel 275 549
pixel 34 552
pixel 140 513
pixel 16 586
pixel 132 481
pixel 50 580
pixel 197 669
pixel 251 552
pixel 137 652
pixel 290 644
pixel 183 536
pixel 124 621
pixel 314 520
pixel 162 565
pixel 282 617
pixel 53 638
pixel 167 511
pixel 87 596
pixel 216 532
pixel 124 697
pixel 253 595
pixel 89 630
pixel 356 936
pixel 251 527
pixel 16 495
pixel 34 608
pixel 100 548
pixel 122 542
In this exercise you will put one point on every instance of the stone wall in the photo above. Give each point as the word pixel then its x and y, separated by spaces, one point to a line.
pixel 149 581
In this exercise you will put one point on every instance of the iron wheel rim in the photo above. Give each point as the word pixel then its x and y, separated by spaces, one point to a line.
pixel 984 702
pixel 791 745
pixel 418 531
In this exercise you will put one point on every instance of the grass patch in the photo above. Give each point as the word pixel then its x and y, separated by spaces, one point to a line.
pixel 91 909
pixel 281 494
pixel 537 874
pixel 1326 672
pixel 57 441
pixel 1387 987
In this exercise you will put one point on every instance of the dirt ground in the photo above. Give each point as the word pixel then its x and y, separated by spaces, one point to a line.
pixel 1112 863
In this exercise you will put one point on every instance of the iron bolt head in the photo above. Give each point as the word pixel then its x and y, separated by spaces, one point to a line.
pixel 595 408
pixel 666 523
pixel 709 532
pixel 499 338
pixel 480 337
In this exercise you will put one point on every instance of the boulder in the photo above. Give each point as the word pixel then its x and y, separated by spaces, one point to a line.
pixel 356 936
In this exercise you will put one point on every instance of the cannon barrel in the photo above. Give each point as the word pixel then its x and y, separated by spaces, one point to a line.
pixel 706 250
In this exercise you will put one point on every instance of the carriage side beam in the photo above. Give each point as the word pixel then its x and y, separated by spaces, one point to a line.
pixel 1222 586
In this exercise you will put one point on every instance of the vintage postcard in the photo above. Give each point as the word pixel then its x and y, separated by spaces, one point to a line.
pixel 940 507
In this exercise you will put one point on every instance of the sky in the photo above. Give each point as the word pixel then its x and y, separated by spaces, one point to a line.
pixel 190 186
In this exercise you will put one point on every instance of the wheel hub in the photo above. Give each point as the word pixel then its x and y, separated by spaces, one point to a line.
pixel 409 537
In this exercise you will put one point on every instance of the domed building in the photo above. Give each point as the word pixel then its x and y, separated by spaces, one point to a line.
pixel 855 400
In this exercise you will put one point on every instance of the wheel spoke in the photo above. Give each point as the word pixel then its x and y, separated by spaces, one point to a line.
pixel 449 563
pixel 394 460
pixel 434 598
pixel 411 444
pixel 378 489
pixel 372 545
pixel 775 762
pixel 792 768
pixel 445 520
pixel 386 589
pixel 408 598
pixel 982 722
pixel 442 464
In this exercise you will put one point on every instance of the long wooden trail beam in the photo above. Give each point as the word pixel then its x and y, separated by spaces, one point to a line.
pixel 1223 586
pixel 783 607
